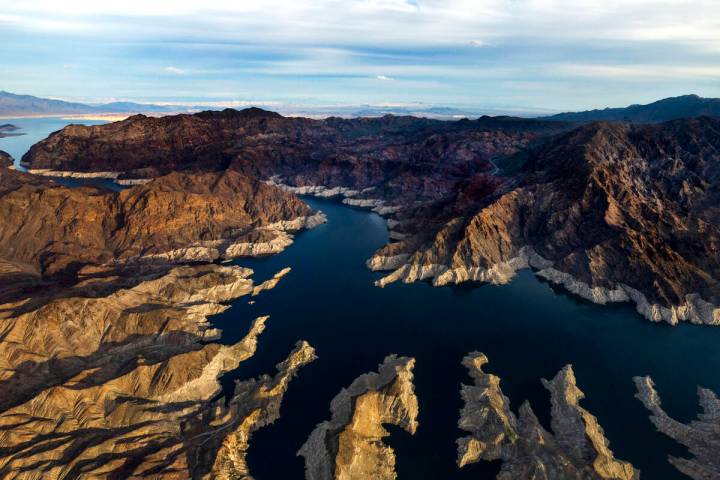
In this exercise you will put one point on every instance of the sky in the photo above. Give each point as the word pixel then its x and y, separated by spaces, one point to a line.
pixel 545 55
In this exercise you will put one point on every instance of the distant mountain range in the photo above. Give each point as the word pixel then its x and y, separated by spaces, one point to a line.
pixel 685 106
pixel 26 105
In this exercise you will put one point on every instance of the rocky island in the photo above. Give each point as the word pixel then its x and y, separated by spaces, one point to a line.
pixel 9 130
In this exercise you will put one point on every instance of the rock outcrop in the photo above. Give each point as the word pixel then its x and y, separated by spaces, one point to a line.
pixel 54 230
pixel 701 436
pixel 576 450
pixel 349 446
pixel 611 212
pixel 125 384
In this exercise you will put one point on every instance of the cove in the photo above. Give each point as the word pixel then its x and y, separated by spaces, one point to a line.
pixel 528 330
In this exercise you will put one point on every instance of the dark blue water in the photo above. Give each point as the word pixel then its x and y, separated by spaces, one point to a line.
pixel 527 329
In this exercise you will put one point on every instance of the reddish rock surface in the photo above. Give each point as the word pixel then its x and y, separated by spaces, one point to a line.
pixel 53 230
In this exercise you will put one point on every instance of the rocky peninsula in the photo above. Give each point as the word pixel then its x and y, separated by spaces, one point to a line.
pixel 701 436
pixel 125 384
pixel 577 449
pixel 350 445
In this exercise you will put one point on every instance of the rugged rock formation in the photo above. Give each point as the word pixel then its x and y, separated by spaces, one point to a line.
pixel 125 384
pixel 611 212
pixel 577 448
pixel 53 230
pixel 701 436
pixel 349 446
pixel 400 157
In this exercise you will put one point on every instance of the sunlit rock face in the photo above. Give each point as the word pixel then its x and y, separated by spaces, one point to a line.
pixel 701 436
pixel 575 450
pixel 350 445
pixel 52 230
pixel 125 385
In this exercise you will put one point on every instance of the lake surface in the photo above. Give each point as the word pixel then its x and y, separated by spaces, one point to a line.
pixel 528 330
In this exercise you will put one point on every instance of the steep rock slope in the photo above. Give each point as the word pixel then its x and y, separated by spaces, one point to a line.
pixel 125 385
pixel 701 436
pixel 350 445
pixel 576 450
pixel 612 212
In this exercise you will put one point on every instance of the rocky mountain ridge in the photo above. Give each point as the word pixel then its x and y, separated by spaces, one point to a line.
pixel 54 230
pixel 611 212
pixel 673 108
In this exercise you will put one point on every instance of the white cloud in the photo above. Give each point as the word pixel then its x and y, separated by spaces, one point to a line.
pixel 384 22
pixel 640 72
pixel 540 48
pixel 174 70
